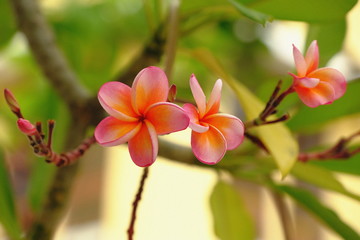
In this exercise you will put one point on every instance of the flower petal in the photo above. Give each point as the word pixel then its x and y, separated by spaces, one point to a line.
pixel 167 117
pixel 214 102
pixel 198 94
pixel 300 62
pixel 230 127
pixel 193 114
pixel 115 98
pixel 322 94
pixel 208 147
pixel 111 131
pixel 143 147
pixel 333 77
pixel 312 57
pixel 150 86
pixel 307 82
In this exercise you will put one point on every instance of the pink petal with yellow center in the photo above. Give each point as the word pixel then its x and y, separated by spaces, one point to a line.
pixel 333 77
pixel 193 114
pixel 150 86
pixel 143 147
pixel 208 147
pixel 115 98
pixel 213 104
pixel 111 131
pixel 322 94
pixel 167 117
pixel 312 57
pixel 300 63
pixel 230 127
pixel 198 94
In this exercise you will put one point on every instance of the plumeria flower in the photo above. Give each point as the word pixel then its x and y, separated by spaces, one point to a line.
pixel 138 114
pixel 212 132
pixel 316 86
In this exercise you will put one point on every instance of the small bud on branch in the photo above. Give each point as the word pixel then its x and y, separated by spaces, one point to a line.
pixel 26 127
pixel 37 137
pixel 338 151
pixel 172 93
pixel 12 103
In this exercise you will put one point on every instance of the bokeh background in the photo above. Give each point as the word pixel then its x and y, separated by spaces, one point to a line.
pixel 100 38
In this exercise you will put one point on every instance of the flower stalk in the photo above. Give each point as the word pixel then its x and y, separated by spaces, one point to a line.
pixel 270 108
pixel 136 202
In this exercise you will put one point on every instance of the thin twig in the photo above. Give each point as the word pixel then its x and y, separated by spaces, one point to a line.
pixel 339 151
pixel 135 204
pixel 257 141
pixel 270 108
pixel 284 214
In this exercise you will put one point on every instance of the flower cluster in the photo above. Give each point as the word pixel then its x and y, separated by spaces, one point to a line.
pixel 140 113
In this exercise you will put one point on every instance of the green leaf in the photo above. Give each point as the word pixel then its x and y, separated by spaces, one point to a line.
pixel 347 104
pixel 252 14
pixel 276 137
pixel 231 219
pixel 7 209
pixel 330 38
pixel 325 214
pixel 321 177
pixel 305 10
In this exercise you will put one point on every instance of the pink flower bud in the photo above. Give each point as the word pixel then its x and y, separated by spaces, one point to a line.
pixel 172 93
pixel 11 101
pixel 26 127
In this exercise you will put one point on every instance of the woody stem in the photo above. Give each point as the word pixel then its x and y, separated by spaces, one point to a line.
pixel 135 204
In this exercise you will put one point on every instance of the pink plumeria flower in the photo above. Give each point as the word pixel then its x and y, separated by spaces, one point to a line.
pixel 213 133
pixel 316 86
pixel 138 114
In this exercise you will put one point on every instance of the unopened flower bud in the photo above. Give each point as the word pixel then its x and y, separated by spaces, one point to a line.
pixel 172 93
pixel 11 101
pixel 26 127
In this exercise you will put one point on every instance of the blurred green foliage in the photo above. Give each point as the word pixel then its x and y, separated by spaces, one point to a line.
pixel 100 38
pixel 325 214
pixel 8 217
pixel 231 217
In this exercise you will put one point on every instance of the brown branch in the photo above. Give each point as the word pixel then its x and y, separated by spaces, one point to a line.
pixel 177 152
pixel 53 210
pixel 57 71
pixel 270 108
pixel 52 62
pixel 339 151
pixel 150 55
pixel 136 203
